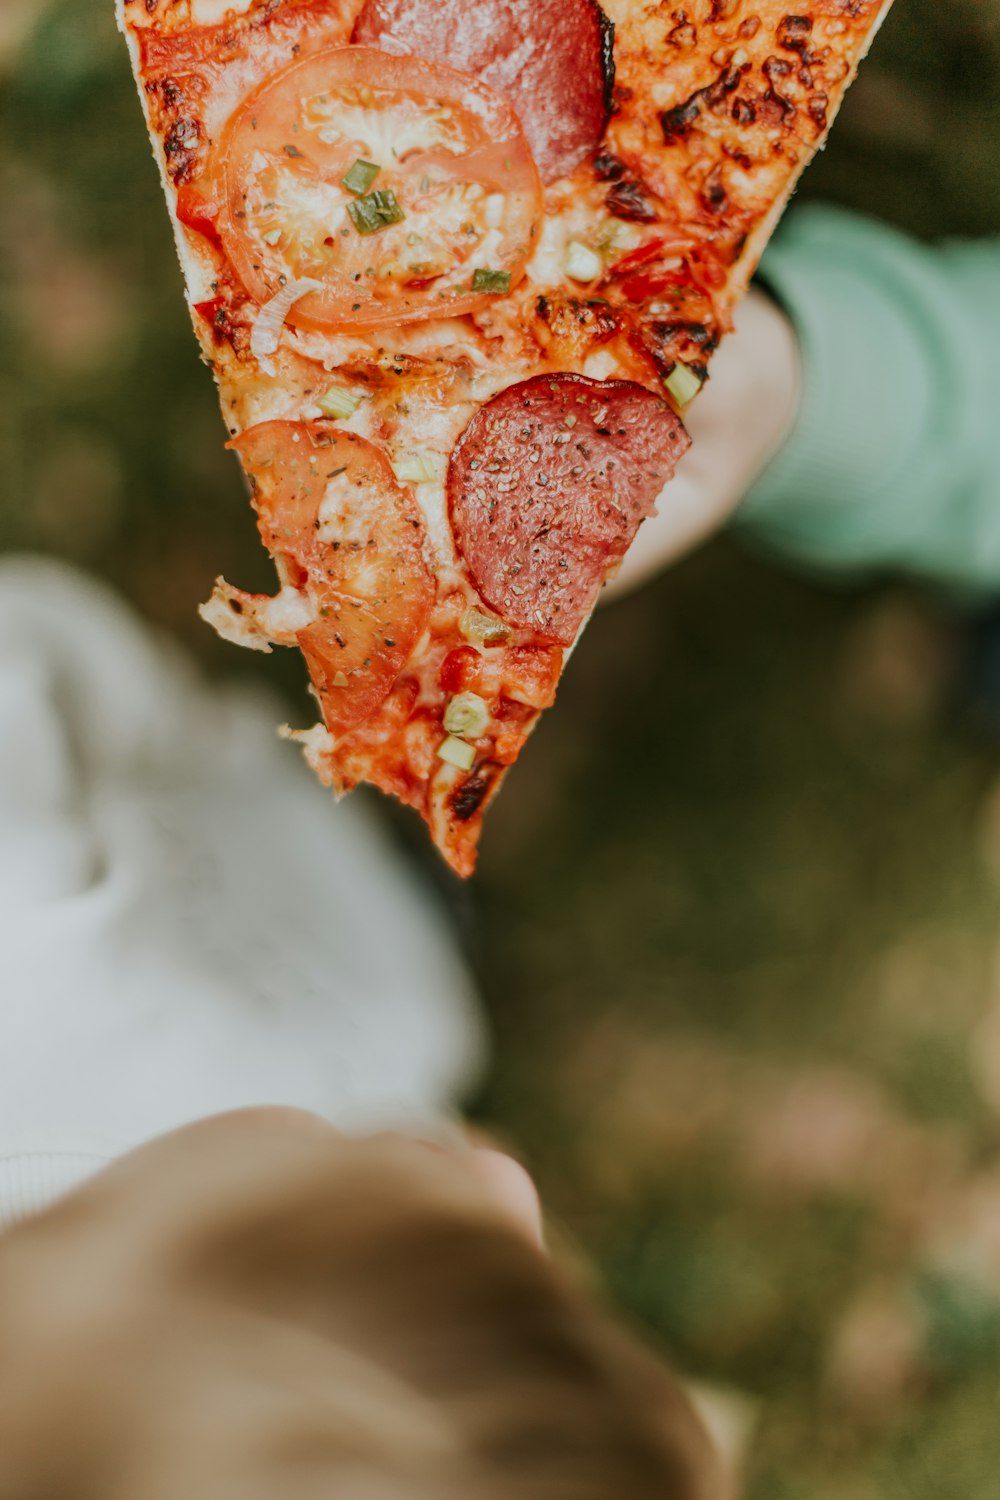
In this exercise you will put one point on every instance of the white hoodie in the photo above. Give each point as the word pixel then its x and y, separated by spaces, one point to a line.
pixel 188 923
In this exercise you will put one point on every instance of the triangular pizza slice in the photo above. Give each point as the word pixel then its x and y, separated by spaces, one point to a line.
pixel 458 266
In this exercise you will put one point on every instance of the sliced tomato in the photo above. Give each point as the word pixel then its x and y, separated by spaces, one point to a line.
pixel 196 212
pixel 456 191
pixel 342 530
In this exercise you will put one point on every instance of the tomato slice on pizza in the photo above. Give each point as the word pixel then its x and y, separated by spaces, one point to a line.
pixel 396 239
pixel 458 270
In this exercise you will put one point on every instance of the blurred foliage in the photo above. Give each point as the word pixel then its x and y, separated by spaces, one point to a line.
pixel 736 921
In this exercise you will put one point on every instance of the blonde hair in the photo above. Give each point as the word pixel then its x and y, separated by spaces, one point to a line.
pixel 336 1321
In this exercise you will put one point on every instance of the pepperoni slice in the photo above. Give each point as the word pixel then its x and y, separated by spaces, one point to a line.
pixel 553 59
pixel 343 531
pixel 547 488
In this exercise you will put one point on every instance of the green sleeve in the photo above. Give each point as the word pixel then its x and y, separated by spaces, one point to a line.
pixel 894 459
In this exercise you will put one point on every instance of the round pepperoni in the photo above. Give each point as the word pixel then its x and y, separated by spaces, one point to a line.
pixel 346 534
pixel 547 488
pixel 553 59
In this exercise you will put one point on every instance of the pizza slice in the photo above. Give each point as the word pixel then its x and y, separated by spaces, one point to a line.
pixel 458 267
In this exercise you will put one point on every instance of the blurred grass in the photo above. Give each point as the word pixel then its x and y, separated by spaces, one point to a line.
pixel 736 920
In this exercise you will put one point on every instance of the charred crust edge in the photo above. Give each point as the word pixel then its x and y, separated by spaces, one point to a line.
pixel 467 799
pixel 606 29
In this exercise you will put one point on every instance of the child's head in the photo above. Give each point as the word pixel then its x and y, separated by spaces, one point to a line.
pixel 259 1309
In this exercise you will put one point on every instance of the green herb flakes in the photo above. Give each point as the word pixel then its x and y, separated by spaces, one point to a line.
pixel 491 281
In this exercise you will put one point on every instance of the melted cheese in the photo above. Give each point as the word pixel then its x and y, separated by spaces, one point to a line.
pixel 211 12
pixel 318 745
pixel 349 511
pixel 382 127
pixel 238 629
pixel 307 208
pixel 255 621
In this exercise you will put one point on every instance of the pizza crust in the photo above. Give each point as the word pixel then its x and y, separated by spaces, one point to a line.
pixel 757 243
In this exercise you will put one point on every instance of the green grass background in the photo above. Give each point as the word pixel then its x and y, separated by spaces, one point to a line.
pixel 736 919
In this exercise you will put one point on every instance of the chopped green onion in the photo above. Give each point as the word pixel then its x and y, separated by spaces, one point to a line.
pixel 360 177
pixel 457 753
pixel 475 626
pixel 273 237
pixel 582 263
pixel 466 716
pixel 341 680
pixel 491 281
pixel 339 403
pixel 417 468
pixel 375 211
pixel 683 384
